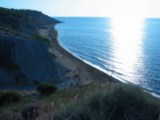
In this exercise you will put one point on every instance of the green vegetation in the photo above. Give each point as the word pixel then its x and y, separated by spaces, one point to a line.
pixel 9 97
pixel 122 103
pixel 18 12
pixel 4 11
pixel 46 89
pixel 98 102
pixel 40 38
pixel 23 22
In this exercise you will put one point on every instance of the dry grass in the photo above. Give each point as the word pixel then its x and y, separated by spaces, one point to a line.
pixel 46 106
pixel 122 102
pixel 87 103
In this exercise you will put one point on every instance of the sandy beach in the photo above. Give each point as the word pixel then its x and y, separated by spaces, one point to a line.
pixel 76 69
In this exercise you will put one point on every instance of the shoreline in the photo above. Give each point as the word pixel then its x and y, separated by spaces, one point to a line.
pixel 88 74
pixel 78 70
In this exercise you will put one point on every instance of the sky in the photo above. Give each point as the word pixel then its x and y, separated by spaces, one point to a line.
pixel 107 8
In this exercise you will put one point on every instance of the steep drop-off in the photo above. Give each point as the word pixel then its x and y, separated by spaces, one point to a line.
pixel 24 60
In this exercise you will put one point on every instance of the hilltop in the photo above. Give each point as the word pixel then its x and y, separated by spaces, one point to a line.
pixel 23 21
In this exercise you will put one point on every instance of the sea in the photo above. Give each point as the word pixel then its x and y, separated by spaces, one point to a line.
pixel 125 48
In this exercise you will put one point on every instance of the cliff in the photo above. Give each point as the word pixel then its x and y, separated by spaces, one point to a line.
pixel 24 59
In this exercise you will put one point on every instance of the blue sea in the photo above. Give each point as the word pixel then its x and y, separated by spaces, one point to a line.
pixel 127 49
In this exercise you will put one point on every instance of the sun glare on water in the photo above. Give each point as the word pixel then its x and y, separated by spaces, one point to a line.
pixel 127 36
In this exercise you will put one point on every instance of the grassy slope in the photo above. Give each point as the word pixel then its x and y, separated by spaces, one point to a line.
pixel 108 102
pixel 122 102
pixel 23 21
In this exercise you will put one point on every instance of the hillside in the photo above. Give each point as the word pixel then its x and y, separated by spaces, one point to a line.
pixel 92 102
pixel 23 21
pixel 30 54
pixel 24 56
pixel 117 102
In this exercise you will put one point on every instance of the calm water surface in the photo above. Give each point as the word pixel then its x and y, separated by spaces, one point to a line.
pixel 127 49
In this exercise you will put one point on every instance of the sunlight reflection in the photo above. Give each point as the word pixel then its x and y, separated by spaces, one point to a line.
pixel 127 35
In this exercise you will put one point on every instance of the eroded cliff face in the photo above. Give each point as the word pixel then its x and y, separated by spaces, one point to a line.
pixel 26 62
pixel 24 56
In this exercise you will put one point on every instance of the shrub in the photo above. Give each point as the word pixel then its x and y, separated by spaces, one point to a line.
pixel 9 97
pixel 46 89
pixel 38 37
pixel 122 103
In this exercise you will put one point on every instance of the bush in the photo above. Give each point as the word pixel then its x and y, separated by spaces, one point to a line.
pixel 46 89
pixel 122 103
pixel 9 97
pixel 38 37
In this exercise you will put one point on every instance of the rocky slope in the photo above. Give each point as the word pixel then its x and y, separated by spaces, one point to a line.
pixel 24 60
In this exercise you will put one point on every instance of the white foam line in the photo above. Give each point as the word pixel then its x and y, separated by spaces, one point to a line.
pixel 104 71
pixel 91 64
